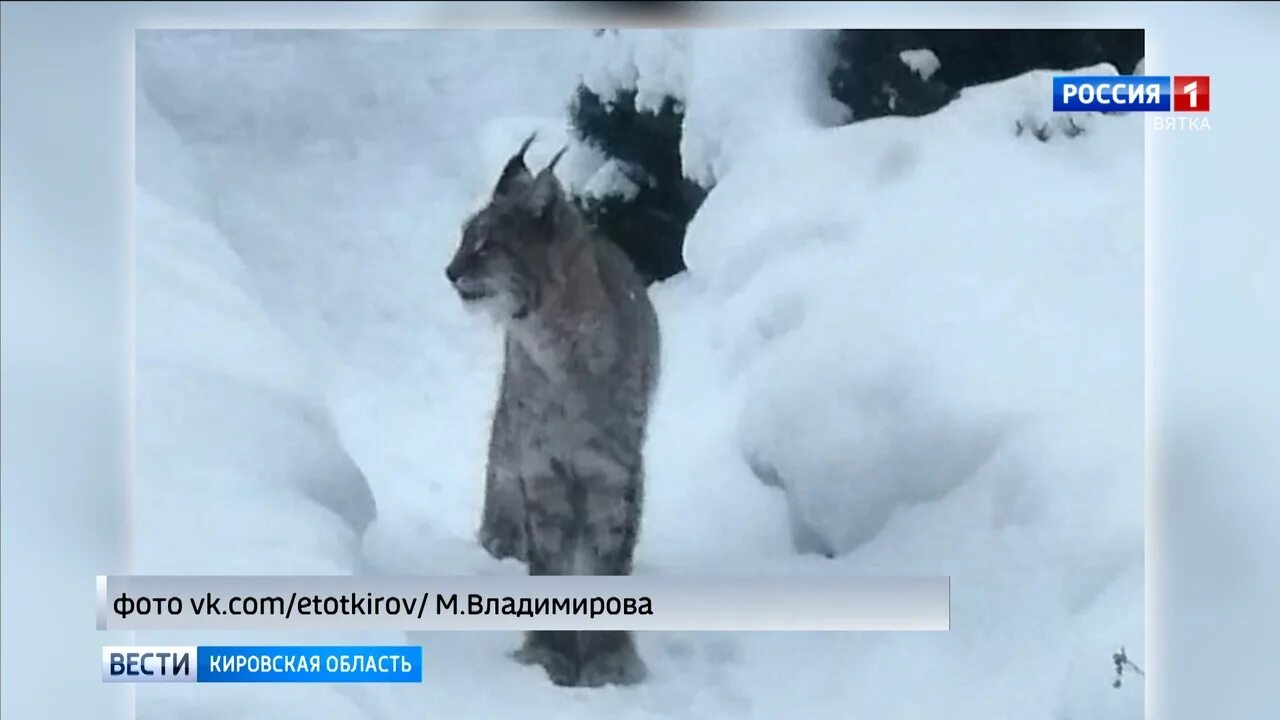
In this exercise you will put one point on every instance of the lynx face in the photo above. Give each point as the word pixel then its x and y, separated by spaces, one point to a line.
pixel 504 257
pixel 501 260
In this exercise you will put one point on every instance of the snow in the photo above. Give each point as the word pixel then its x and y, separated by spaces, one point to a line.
pixel 750 88
pixel 922 61
pixel 650 62
pixel 610 180
pixel 226 407
pixel 779 73
pixel 964 330
pixel 912 344
pixel 239 469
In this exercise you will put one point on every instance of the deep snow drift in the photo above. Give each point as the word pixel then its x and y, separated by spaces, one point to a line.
pixel 914 345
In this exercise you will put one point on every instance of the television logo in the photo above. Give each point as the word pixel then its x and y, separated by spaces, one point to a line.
pixel 262 663
pixel 1191 93
pixel 148 663
pixel 1133 93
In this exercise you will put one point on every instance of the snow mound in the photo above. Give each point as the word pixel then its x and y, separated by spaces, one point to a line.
pixel 932 289
pixel 239 469
pixel 234 442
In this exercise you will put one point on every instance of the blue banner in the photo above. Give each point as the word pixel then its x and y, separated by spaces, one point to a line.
pixel 1112 93
pixel 309 663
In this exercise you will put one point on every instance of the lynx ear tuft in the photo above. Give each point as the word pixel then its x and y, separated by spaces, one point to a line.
pixel 546 192
pixel 551 166
pixel 515 174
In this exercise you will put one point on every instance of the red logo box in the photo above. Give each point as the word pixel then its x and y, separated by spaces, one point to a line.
pixel 1191 93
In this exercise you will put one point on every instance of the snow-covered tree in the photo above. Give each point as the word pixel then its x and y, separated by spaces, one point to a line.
pixel 630 110
pixel 646 210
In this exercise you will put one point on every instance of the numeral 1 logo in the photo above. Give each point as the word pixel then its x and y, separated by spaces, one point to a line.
pixel 1191 93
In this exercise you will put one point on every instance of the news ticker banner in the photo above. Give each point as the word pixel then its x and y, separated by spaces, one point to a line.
pixel 521 602
pixel 262 663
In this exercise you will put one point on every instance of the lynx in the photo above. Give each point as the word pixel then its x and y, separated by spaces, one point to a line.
pixel 565 477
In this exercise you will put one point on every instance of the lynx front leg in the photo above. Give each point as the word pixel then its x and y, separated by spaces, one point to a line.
pixel 583 524
pixel 612 527
pixel 612 521
pixel 555 650
pixel 502 524
pixel 590 529
pixel 553 528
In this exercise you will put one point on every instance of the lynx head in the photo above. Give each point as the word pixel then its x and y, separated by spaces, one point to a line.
pixel 508 248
